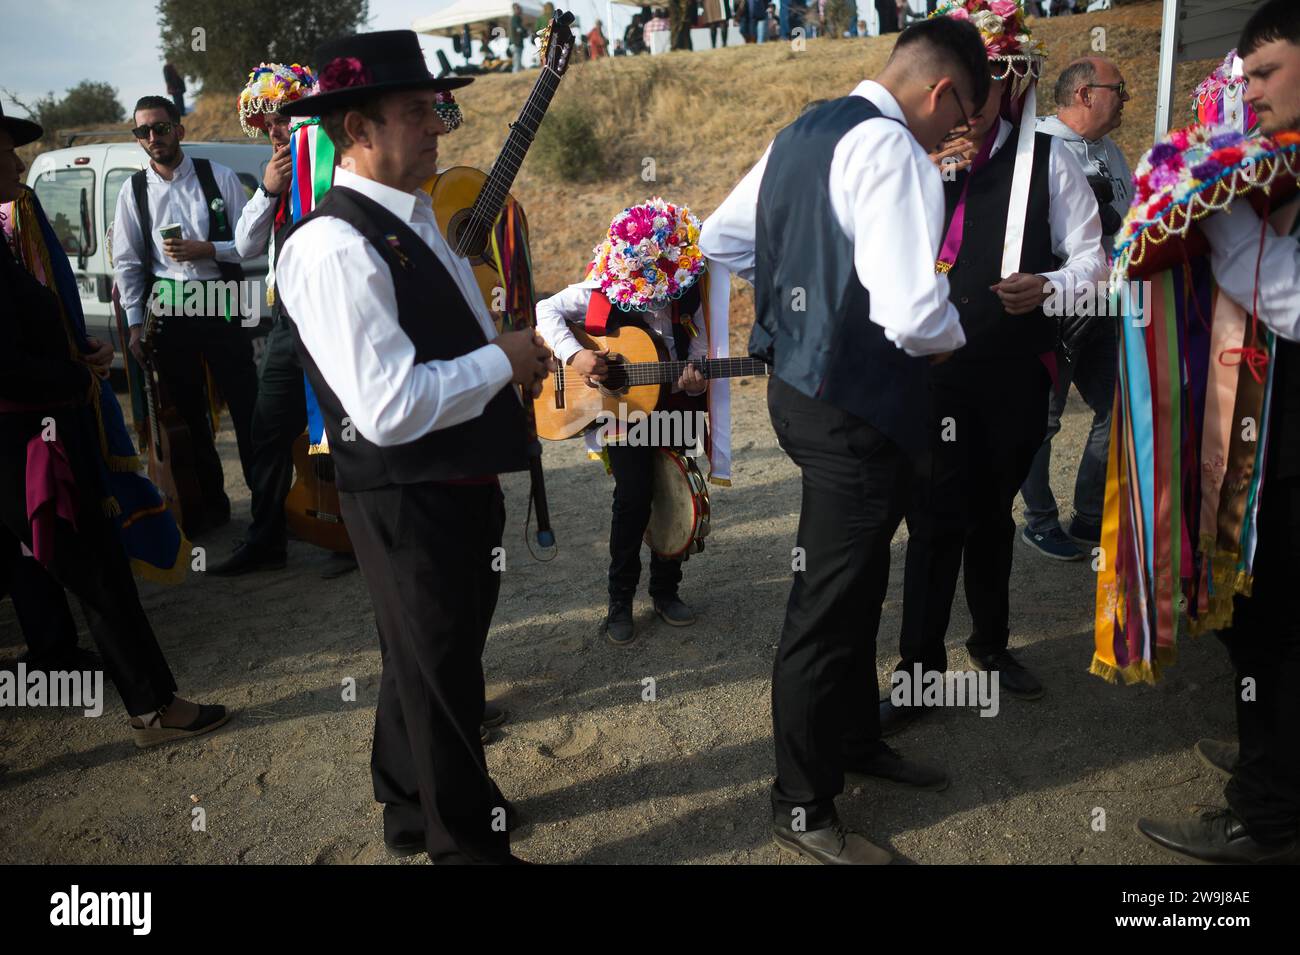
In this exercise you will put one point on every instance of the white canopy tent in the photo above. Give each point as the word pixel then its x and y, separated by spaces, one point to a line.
pixel 449 20
pixel 1195 30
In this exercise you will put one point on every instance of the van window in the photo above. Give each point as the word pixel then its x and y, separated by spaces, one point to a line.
pixel 113 183
pixel 60 193
pixel 249 184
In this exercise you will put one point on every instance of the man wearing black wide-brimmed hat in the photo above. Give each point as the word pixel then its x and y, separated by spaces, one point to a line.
pixel 416 390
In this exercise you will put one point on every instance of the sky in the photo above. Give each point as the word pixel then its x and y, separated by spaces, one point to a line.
pixel 50 45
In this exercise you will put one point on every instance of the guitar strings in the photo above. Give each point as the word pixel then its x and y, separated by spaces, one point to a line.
pixel 495 190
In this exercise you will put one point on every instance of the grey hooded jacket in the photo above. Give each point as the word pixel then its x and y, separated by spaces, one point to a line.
pixel 1099 158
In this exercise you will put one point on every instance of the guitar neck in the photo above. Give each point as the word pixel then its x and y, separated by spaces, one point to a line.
pixel 663 372
pixel 492 197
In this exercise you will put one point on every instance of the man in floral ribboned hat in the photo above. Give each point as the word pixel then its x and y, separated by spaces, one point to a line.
pixel 645 270
pixel 279 415
pixel 1030 225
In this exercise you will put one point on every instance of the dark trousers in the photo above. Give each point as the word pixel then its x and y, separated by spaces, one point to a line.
pixel 89 562
pixel 427 552
pixel 855 483
pixel 229 353
pixel 1264 644
pixel 1092 370
pixel 633 469
pixel 989 424
pixel 279 417
pixel 40 605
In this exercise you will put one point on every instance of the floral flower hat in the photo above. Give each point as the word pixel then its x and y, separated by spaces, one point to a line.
pixel 269 87
pixel 1221 97
pixel 1188 175
pixel 1011 48
pixel 650 256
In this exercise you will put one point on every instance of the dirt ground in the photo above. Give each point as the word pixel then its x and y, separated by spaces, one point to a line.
pixel 606 777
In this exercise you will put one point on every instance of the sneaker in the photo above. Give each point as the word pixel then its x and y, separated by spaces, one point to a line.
pixel 618 624
pixel 674 611
pixel 1054 544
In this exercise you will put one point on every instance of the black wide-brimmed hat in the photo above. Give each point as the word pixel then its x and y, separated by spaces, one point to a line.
pixel 354 68
pixel 23 131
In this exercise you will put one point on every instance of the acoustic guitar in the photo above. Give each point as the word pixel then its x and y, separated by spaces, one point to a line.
pixel 640 375
pixel 169 446
pixel 468 202
pixel 311 508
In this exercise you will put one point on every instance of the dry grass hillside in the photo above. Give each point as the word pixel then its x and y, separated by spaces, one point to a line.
pixel 705 117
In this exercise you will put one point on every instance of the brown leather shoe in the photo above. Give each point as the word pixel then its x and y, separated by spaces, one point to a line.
pixel 834 845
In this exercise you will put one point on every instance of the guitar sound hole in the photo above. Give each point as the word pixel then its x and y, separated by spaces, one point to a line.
pixel 457 228
pixel 615 376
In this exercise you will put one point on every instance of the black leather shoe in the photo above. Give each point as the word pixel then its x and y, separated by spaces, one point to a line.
pixel 493 715
pixel 618 624
pixel 248 559
pixel 890 766
pixel 1013 678
pixel 674 612
pixel 1218 836
pixel 832 846
pixel 412 843
pixel 1218 755
pixel 895 719
pixel 400 849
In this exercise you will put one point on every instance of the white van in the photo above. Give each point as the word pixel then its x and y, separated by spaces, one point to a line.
pixel 78 188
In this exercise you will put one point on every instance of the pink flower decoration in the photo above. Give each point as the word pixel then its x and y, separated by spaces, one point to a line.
pixel 959 14
pixel 343 72
pixel 1004 8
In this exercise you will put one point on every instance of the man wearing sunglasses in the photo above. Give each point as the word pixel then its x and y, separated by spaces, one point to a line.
pixel 205 199
pixel 1019 221
pixel 1090 98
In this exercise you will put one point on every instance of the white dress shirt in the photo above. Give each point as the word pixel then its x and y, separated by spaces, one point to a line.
pixel 255 232
pixel 175 201
pixel 570 305
pixel 1072 217
pixel 1234 252
pixel 340 294
pixel 887 197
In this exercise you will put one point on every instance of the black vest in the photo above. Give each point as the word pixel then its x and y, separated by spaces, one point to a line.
pixel 829 349
pixel 220 228
pixel 990 332
pixel 441 326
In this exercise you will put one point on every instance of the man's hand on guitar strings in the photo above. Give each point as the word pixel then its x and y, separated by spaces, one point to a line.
pixel 591 365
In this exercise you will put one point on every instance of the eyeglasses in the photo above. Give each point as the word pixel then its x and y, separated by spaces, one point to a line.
pixel 966 125
pixel 1119 88
pixel 158 129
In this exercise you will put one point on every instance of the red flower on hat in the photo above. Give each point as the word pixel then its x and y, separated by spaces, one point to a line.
pixel 343 72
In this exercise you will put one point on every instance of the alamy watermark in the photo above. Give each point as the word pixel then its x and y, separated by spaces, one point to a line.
pixel 196 298
pixel 950 688
pixel 82 689
pixel 1099 300
pixel 653 429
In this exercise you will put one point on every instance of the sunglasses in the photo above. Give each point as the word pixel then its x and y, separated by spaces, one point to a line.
pixel 1119 88
pixel 158 129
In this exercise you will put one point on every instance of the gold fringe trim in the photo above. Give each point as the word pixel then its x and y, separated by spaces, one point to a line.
pixel 111 507
pixel 1139 671
pixel 175 574
pixel 720 482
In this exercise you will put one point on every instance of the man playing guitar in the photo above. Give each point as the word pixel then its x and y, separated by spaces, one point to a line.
pixel 644 273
